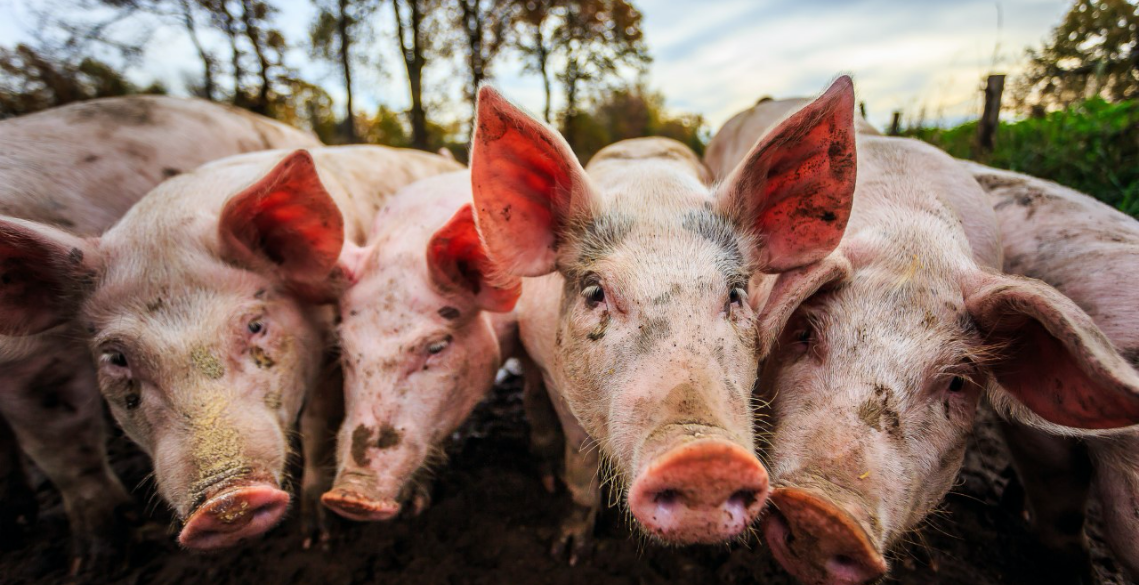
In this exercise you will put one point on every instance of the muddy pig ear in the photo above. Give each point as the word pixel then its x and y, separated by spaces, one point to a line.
pixel 794 189
pixel 458 262
pixel 527 184
pixel 45 273
pixel 288 223
pixel 1050 356
pixel 792 289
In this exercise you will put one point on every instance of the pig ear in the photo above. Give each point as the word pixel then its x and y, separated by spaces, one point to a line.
pixel 288 222
pixel 527 184
pixel 1051 356
pixel 794 189
pixel 793 288
pixel 457 261
pixel 45 274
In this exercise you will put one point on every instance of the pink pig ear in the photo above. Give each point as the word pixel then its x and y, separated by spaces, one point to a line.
pixel 45 274
pixel 527 183
pixel 457 261
pixel 794 189
pixel 1052 358
pixel 792 289
pixel 288 222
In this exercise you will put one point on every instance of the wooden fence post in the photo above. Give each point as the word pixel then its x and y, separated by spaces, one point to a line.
pixel 991 118
pixel 896 124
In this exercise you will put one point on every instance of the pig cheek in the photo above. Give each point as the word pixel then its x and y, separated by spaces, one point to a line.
pixel 583 345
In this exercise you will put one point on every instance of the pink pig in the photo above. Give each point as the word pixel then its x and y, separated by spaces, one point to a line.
pixel 201 307
pixel 79 168
pixel 637 310
pixel 875 359
pixel 423 332
pixel 1090 252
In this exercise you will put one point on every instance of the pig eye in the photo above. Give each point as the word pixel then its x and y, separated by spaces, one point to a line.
pixel 438 346
pixel 256 326
pixel 132 401
pixel 736 296
pixel 117 359
pixel 956 384
pixel 594 295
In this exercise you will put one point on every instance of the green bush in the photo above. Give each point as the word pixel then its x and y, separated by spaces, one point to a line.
pixel 1092 147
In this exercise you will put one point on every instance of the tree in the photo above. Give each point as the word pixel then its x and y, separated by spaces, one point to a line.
pixel 485 26
pixel 412 24
pixel 1094 51
pixel 334 32
pixel 632 111
pixel 595 38
pixel 33 81
pixel 185 13
pixel 534 40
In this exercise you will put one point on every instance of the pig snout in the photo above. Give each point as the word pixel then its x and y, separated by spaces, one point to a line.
pixel 819 543
pixel 354 505
pixel 705 491
pixel 234 513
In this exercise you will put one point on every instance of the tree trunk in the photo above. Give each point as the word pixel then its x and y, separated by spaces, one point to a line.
pixel 230 26
pixel 414 61
pixel 345 63
pixel 472 26
pixel 543 60
pixel 207 59
pixel 571 79
pixel 254 34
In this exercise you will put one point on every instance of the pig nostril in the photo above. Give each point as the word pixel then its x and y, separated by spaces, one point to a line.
pixel 743 498
pixel 845 561
pixel 666 497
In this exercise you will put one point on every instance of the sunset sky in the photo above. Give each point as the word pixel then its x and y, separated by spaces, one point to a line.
pixel 716 57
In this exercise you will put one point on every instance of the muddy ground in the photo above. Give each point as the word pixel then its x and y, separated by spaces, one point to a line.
pixel 492 523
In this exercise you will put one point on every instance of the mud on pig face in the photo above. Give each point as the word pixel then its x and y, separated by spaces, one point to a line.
pixel 419 352
pixel 205 350
pixel 874 383
pixel 655 336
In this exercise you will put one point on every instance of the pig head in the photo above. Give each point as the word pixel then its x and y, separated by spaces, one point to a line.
pixel 645 328
pixel 423 332
pixel 883 351
pixel 202 329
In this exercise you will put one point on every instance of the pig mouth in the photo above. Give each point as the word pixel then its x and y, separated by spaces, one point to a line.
pixel 357 506
pixel 234 511
pixel 818 543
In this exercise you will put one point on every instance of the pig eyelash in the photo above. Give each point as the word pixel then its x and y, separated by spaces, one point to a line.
pixel 593 295
pixel 437 347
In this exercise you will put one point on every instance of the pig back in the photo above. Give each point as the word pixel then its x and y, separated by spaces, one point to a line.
pixel 1084 248
pixel 740 133
pixel 81 166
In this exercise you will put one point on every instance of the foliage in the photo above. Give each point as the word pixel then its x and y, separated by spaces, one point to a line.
pixel 632 112
pixel 1093 52
pixel 1091 146
pixel 33 81
pixel 339 26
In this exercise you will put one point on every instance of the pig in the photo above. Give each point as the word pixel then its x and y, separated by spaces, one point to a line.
pixel 1090 252
pixel 79 168
pixel 202 309
pixel 423 331
pixel 636 307
pixel 875 358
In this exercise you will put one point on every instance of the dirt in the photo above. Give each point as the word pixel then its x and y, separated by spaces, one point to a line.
pixel 492 522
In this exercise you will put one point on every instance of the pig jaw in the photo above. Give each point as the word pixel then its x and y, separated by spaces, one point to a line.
pixel 401 401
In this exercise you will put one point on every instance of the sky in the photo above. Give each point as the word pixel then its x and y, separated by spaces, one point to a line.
pixel 712 57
